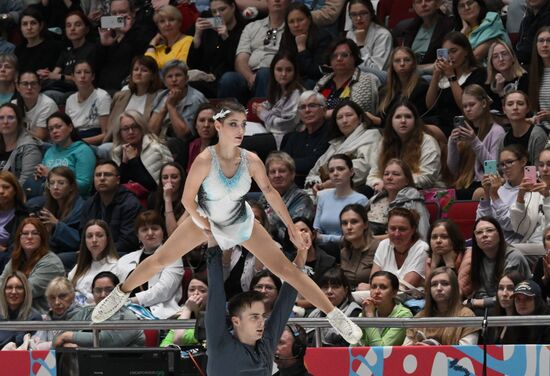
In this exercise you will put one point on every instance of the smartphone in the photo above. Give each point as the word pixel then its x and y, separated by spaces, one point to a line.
pixel 442 53
pixel 530 172
pixel 112 22
pixel 215 22
pixel 490 167
pixel 458 121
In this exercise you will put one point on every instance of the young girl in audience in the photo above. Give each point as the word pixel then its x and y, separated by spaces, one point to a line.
pixel 541 271
pixel 167 199
pixel 443 300
pixel 359 245
pixel 204 127
pixel 280 112
pixel 373 39
pixel 489 258
pixel 403 80
pixel 305 40
pixel 68 150
pixel 450 76
pixel 398 191
pixel 351 134
pixel 403 253
pixel 505 304
pixel 61 213
pixel 499 197
pixel 530 212
pixel 19 152
pixel 504 72
pixel 333 200
pixel 35 106
pixel 336 287
pixel 383 303
pixel 447 246
pixel 404 137
pixel 539 73
pixel 97 253
pixel 475 140
pixel 89 107
pixel 197 295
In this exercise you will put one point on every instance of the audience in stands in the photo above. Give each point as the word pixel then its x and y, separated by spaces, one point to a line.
pixel 352 134
pixel 68 150
pixel 281 169
pixel 541 270
pixel 163 290
pixel 397 191
pixel 359 245
pixel 203 124
pixel 504 305
pixel 383 302
pixel 279 112
pixel 35 106
pixel 443 300
pixel 307 146
pixel 8 74
pixel 97 253
pixel 290 352
pixel 114 204
pixel 333 200
pixel 474 140
pixel 16 305
pixel 102 284
pixel 347 81
pixel 269 285
pixel 539 90
pixel 447 247
pixel 19 151
pixel 536 16
pixel 32 257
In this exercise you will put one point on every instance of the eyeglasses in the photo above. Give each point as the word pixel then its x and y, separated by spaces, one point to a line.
pixel 500 56
pixel 507 163
pixel 8 118
pixel 104 174
pixel 133 128
pixel 29 233
pixel 270 36
pixel 341 55
pixel 467 4
pixel 311 106
pixel 488 231
pixel 100 290
pixel 360 14
pixel 543 40
pixel 29 84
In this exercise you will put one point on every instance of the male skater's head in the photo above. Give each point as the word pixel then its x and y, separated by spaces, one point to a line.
pixel 248 315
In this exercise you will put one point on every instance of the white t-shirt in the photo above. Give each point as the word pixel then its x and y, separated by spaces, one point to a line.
pixel 415 261
pixel 137 102
pixel 85 115
pixel 37 116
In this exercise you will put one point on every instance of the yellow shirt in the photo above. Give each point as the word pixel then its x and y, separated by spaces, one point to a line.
pixel 178 51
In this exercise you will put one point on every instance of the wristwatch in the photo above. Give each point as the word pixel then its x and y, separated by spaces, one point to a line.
pixel 453 78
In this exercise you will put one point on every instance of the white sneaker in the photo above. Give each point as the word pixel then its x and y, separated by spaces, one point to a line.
pixel 344 326
pixel 110 305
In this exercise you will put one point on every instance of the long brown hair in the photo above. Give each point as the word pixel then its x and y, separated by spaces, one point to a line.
pixel 19 260
pixel 84 260
pixel 392 146
pixel 26 306
pixel 61 211
pixel 536 71
pixel 11 179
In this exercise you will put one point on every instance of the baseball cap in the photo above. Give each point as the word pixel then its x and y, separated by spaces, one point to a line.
pixel 528 288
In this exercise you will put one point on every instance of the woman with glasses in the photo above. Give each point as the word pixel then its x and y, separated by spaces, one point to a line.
pixel 499 197
pixel 347 81
pixel 269 285
pixel 19 152
pixel 68 150
pixel 138 152
pixel 32 256
pixel 531 136
pixel 35 106
pixel 481 27
pixel 16 305
pixel 97 253
pixel 488 259
pixel 373 39
pixel 539 74
pixel 475 139
pixel 504 72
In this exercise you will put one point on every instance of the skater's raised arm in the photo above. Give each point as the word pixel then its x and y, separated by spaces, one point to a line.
pixel 199 171
pixel 257 171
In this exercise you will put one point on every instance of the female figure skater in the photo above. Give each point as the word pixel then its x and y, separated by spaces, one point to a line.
pixel 214 198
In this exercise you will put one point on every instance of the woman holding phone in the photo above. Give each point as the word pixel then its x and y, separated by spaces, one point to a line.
pixel 474 139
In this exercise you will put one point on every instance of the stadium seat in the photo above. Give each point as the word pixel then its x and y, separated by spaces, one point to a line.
pixel 433 210
pixel 463 213
pixel 151 337
pixel 251 116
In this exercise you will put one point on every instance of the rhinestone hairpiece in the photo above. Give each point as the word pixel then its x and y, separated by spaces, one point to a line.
pixel 220 115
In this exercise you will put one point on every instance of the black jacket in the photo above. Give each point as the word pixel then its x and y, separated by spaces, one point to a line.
pixel 530 24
